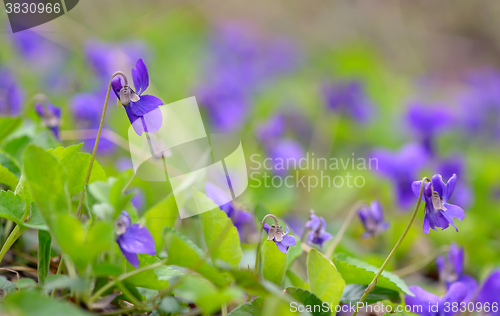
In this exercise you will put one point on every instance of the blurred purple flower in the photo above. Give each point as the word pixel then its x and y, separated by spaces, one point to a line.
pixel 282 239
pixel 372 218
pixel 348 98
pixel 450 269
pixel 133 239
pixel 401 167
pixel 481 104
pixel 489 292
pixel 136 110
pixel 438 213
pixel 423 300
pixel 44 56
pixel 242 220
pixel 50 115
pixel 107 58
pixel 239 65
pixel 285 150
pixel 123 164
pixel 138 200
pixel 11 95
pixel 428 121
pixel 87 108
pixel 317 230
pixel 464 194
pixel 271 129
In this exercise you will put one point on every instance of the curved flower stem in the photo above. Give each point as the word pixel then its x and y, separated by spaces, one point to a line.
pixel 257 257
pixel 89 171
pixel 343 229
pixel 14 235
pixel 371 286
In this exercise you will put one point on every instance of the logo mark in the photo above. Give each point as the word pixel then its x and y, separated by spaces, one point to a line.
pixel 26 14
pixel 182 152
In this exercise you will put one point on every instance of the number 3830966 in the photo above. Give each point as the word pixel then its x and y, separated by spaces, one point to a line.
pixel 27 8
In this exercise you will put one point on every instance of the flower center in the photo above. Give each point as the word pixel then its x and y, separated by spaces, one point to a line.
pixel 128 95
pixel 437 201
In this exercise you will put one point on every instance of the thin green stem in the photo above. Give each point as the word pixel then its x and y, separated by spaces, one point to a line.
pixel 14 234
pixel 371 286
pixel 257 256
pixel 59 270
pixel 343 229
pixel 123 277
pixel 131 296
pixel 224 309
pixel 98 137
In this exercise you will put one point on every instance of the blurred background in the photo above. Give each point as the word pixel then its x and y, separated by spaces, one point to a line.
pixel 414 84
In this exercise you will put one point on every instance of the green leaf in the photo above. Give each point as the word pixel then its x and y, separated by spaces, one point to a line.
pixel 77 165
pixel 310 301
pixel 83 247
pixel 6 285
pixel 25 283
pixel 162 215
pixel 353 292
pixel 8 125
pixel 63 281
pixel 10 163
pixel 111 192
pixel 355 271
pixel 39 305
pixel 7 177
pixel 205 295
pixel 249 309
pixel 273 262
pixel 44 242
pixel 249 282
pixel 11 206
pixel 106 269
pixel 47 180
pixel 296 280
pixel 215 223
pixel 182 252
pixel 324 279
pixel 293 253
pixel 155 279
pixel 35 219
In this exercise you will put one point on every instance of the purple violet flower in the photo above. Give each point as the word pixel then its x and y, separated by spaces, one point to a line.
pixel 464 194
pixel 401 167
pixel 372 218
pixel 317 230
pixel 428 121
pixel 282 239
pixel 133 239
pixel 50 115
pixel 425 302
pixel 450 269
pixel 438 213
pixel 348 98
pixel 137 105
pixel 242 220
pixel 489 292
